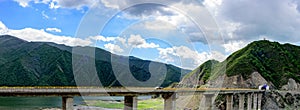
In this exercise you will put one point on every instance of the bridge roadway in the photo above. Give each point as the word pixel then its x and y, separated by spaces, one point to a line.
pixel 130 95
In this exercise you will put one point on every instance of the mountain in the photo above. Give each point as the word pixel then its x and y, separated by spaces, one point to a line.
pixel 200 75
pixel 274 61
pixel 257 63
pixel 25 63
pixel 260 62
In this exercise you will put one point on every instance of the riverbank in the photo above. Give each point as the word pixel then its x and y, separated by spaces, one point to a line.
pixel 156 104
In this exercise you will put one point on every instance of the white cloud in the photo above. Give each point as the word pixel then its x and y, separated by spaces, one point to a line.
pixel 277 19
pixel 23 3
pixel 3 28
pixel 115 4
pixel 54 4
pixel 212 5
pixel 166 54
pixel 233 46
pixel 102 38
pixel 188 57
pixel 159 25
pixel 42 1
pixel 113 48
pixel 77 4
pixel 53 30
pixel 31 34
pixel 123 45
pixel 122 41
pixel 218 56
pixel 138 42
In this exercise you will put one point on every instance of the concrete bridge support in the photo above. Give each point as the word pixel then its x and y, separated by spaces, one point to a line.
pixel 229 102
pixel 249 101
pixel 130 103
pixel 259 98
pixel 169 101
pixel 67 103
pixel 241 101
pixel 254 101
pixel 208 101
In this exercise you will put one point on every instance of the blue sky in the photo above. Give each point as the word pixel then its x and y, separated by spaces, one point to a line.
pixel 185 33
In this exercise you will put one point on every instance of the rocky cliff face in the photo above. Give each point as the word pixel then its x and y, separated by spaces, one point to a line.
pixel 292 85
pixel 237 81
pixel 278 100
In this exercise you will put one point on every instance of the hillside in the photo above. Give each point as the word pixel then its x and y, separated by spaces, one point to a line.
pixel 25 63
pixel 274 62
pixel 200 75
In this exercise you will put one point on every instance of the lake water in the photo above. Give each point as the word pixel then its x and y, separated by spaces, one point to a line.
pixel 36 103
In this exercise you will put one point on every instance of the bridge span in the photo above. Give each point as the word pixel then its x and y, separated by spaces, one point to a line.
pixel 254 96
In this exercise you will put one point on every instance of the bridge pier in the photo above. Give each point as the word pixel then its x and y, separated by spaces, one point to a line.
pixel 249 101
pixel 130 102
pixel 259 98
pixel 255 101
pixel 67 103
pixel 241 101
pixel 229 102
pixel 208 101
pixel 169 101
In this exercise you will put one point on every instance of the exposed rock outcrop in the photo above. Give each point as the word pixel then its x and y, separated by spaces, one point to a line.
pixel 238 81
pixel 277 100
pixel 292 85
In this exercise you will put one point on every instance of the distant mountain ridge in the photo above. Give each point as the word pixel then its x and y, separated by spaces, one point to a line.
pixel 25 63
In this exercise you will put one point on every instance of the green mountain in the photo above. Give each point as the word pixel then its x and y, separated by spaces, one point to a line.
pixel 25 63
pixel 200 75
pixel 275 62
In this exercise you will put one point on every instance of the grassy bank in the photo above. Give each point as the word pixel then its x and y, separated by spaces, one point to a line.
pixel 156 104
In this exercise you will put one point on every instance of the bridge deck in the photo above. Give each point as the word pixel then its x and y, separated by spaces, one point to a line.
pixel 95 91
pixel 130 102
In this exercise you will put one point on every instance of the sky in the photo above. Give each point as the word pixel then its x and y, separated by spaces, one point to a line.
pixel 184 33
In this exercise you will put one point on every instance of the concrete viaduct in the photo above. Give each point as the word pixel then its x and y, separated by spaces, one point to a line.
pixel 253 101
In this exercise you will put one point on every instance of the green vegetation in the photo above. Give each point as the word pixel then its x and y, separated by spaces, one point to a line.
pixel 25 63
pixel 107 104
pixel 204 71
pixel 156 104
pixel 206 68
pixel 274 61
